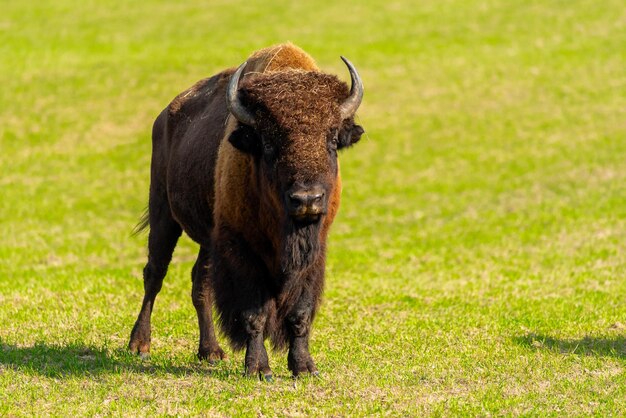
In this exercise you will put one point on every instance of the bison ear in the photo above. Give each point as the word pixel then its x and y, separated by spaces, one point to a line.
pixel 349 136
pixel 245 139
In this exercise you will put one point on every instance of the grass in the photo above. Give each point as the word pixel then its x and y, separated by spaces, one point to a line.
pixel 477 265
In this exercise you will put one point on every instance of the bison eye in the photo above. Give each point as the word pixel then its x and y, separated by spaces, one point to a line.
pixel 333 140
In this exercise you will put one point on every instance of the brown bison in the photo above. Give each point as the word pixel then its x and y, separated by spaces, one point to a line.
pixel 245 162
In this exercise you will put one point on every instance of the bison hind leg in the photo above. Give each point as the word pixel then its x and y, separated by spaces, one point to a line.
pixel 162 239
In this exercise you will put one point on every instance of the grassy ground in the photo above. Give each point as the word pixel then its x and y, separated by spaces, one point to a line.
pixel 477 266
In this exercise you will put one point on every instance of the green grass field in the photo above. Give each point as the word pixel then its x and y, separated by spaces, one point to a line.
pixel 477 265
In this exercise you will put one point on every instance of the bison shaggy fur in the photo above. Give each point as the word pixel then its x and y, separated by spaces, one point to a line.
pixel 255 181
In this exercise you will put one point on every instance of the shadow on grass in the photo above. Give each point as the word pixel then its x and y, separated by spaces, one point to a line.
pixel 587 346
pixel 78 359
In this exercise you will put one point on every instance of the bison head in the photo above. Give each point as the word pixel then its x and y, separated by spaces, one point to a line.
pixel 293 123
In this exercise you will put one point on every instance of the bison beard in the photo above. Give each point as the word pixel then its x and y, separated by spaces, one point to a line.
pixel 301 246
pixel 302 269
pixel 296 289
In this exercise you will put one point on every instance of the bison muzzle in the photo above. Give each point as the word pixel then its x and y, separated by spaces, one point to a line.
pixel 245 162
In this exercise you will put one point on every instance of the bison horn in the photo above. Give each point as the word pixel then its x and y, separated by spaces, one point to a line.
pixel 351 104
pixel 235 107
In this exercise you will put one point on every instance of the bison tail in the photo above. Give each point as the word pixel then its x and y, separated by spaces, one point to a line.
pixel 143 223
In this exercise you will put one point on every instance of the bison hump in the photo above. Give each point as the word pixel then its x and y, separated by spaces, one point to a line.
pixel 280 57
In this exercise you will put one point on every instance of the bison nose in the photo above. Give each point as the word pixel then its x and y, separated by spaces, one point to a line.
pixel 302 198
pixel 307 201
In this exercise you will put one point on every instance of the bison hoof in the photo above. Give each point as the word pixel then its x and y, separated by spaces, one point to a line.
pixel 140 339
pixel 139 346
pixel 263 375
pixel 303 368
pixel 213 355
pixel 315 373
pixel 142 350
pixel 308 370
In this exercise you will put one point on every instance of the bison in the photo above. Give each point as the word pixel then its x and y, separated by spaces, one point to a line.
pixel 245 162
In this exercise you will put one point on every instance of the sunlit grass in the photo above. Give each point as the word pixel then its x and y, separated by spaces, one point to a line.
pixel 477 265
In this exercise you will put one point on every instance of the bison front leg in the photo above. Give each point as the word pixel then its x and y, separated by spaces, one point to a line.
pixel 241 297
pixel 208 348
pixel 298 326
pixel 256 362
